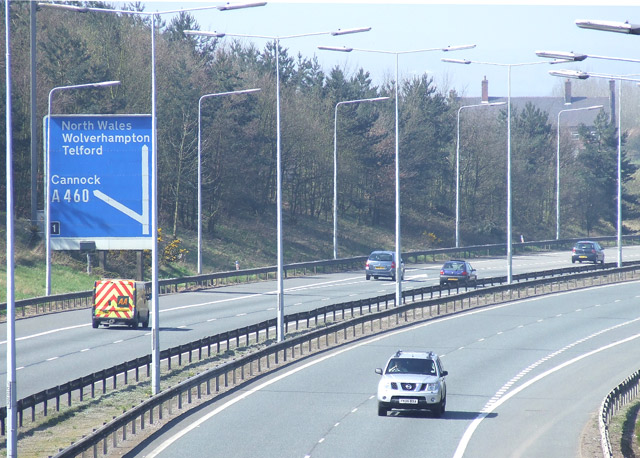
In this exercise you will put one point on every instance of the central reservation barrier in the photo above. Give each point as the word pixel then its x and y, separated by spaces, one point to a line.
pixel 324 328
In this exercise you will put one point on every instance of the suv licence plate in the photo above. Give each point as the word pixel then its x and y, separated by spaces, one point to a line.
pixel 408 401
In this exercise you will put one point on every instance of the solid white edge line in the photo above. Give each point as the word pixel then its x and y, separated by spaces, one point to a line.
pixel 464 442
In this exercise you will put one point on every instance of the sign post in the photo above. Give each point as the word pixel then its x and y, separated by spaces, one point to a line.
pixel 100 181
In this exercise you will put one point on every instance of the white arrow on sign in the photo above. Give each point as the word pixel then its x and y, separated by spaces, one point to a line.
pixel 141 218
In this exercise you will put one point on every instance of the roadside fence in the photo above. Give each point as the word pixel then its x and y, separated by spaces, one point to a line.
pixel 627 391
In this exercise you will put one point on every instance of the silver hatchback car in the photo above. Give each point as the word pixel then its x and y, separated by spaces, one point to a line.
pixel 383 264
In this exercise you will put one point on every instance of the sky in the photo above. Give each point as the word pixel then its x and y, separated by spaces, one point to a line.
pixel 504 32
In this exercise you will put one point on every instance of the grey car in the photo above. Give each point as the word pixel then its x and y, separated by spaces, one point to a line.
pixel 383 264
pixel 587 250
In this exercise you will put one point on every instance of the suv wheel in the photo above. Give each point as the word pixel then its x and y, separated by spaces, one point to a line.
pixel 368 277
pixel 382 411
pixel 441 407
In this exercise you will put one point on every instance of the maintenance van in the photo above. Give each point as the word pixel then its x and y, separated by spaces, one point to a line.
pixel 117 301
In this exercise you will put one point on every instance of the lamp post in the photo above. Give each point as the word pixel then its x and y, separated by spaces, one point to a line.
pixel 397 144
pixel 595 107
pixel 509 67
pixel 631 29
pixel 244 91
pixel 276 40
pixel 576 74
pixel 48 173
pixel 458 163
pixel 155 305
pixel 11 382
pixel 335 168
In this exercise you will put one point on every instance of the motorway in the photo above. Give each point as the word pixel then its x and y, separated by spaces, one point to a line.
pixel 524 380
pixel 64 346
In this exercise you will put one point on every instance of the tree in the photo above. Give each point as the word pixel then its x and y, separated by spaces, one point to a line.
pixel 532 172
pixel 597 168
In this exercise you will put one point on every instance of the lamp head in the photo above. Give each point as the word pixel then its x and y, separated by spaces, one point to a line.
pixel 574 74
pixel 79 9
pixel 562 56
pixel 457 61
pixel 106 83
pixel 238 6
pixel 458 48
pixel 203 33
pixel 335 48
pixel 349 31
pixel 609 26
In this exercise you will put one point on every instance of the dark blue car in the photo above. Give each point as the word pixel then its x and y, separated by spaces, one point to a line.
pixel 457 272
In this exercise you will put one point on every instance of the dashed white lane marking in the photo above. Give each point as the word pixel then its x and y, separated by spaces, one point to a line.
pixel 85 349
pixel 241 314
pixel 493 404
pixel 40 334
pixel 168 442
pixel 52 358
pixel 500 397
pixel 118 341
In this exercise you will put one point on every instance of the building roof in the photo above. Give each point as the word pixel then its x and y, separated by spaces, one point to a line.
pixel 553 105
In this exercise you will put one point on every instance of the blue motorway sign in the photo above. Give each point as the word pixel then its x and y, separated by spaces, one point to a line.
pixel 100 181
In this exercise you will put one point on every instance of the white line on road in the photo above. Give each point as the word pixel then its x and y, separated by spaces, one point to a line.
pixel 245 394
pixel 464 442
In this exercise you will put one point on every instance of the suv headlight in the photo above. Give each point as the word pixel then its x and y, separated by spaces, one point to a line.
pixel 433 386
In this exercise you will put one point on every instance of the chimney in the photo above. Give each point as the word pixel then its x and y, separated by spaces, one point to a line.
pixel 612 100
pixel 567 92
pixel 485 90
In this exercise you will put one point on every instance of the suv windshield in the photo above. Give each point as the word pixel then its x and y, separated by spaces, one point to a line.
pixel 411 366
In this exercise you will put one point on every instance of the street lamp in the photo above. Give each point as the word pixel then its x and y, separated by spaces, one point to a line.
pixel 276 39
pixel 11 381
pixel 155 304
pixel 48 173
pixel 609 26
pixel 579 57
pixel 397 150
pixel 245 91
pixel 335 168
pixel 595 107
pixel 494 104
pixel 584 75
pixel 509 66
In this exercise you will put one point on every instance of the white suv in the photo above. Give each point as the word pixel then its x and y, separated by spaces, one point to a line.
pixel 412 381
